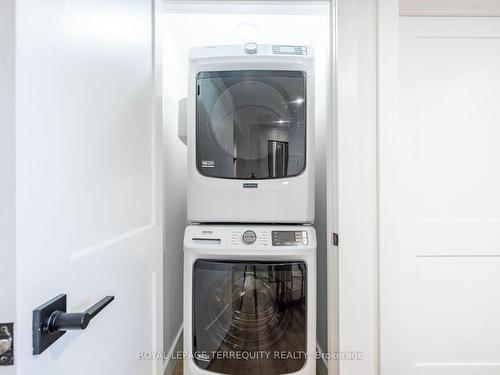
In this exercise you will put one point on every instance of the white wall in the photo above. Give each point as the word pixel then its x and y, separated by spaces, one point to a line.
pixel 7 165
pixel 175 171
pixel 187 25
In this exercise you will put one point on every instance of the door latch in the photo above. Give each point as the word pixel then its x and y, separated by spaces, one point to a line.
pixel 51 321
pixel 335 239
pixel 6 344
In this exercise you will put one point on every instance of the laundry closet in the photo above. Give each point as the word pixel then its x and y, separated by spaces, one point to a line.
pixel 245 130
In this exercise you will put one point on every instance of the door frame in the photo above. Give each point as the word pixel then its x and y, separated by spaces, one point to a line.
pixel 157 70
pixel 331 167
pixel 332 198
pixel 354 187
pixel 7 169
pixel 388 118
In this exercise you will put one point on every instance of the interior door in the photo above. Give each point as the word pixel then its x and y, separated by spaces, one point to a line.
pixel 440 265
pixel 88 183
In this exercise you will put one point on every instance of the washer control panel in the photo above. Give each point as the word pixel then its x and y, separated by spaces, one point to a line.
pixel 249 237
pixel 289 238
pixel 266 237
pixel 275 238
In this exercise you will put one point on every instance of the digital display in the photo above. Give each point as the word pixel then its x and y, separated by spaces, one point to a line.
pixel 286 236
pixel 287 49
pixel 289 238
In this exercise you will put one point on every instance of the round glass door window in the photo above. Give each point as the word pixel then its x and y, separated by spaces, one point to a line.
pixel 249 318
pixel 251 124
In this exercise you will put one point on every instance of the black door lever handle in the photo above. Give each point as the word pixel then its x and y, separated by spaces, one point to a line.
pixel 62 321
pixel 51 321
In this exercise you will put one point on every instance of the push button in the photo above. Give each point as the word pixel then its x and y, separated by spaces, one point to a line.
pixel 249 237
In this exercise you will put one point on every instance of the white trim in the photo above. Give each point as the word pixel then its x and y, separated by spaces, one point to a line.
pixel 455 8
pixel 388 134
pixel 357 183
pixel 450 13
pixel 302 7
pixel 7 168
pixel 158 187
pixel 332 201
pixel 457 364
pixel 171 361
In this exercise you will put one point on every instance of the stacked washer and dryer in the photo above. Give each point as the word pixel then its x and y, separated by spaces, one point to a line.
pixel 250 251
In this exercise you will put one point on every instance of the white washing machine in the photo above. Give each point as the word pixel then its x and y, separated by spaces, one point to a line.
pixel 249 299
pixel 249 125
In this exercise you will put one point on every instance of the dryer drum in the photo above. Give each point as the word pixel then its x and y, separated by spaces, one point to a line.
pixel 246 117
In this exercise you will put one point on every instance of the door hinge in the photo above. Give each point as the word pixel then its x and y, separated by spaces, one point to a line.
pixel 6 344
pixel 335 239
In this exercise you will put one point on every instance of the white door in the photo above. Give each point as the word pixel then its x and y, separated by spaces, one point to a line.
pixel 88 201
pixel 440 232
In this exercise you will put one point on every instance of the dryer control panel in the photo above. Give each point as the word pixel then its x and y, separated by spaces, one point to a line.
pixel 289 50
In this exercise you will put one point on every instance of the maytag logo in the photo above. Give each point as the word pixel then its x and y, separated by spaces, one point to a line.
pixel 250 185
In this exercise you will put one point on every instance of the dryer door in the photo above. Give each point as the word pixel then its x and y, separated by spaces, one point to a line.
pixel 251 124
pixel 249 317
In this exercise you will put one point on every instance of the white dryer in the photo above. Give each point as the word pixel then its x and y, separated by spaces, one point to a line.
pixel 249 124
pixel 249 299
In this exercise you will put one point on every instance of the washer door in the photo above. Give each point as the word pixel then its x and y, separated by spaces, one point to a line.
pixel 251 124
pixel 249 317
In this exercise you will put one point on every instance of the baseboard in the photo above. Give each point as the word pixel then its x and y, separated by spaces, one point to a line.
pixel 171 362
pixel 321 364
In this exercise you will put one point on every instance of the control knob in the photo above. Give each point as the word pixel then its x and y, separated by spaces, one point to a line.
pixel 251 48
pixel 249 237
